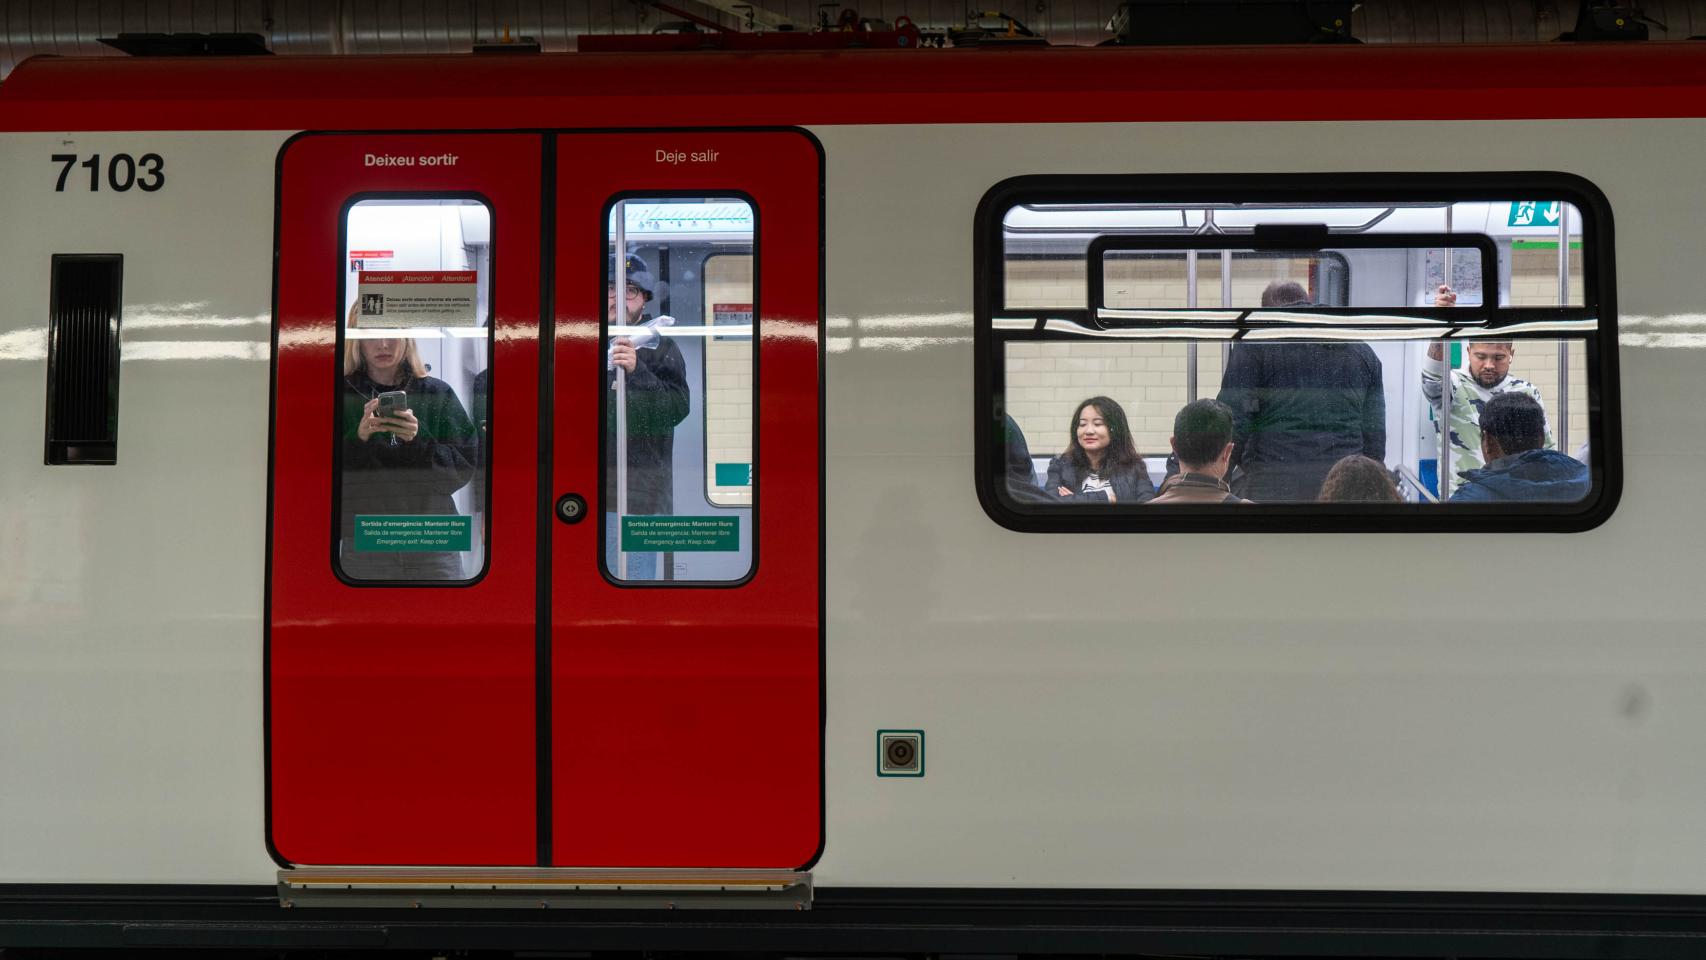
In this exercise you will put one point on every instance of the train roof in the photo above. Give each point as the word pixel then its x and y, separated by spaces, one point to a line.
pixel 968 85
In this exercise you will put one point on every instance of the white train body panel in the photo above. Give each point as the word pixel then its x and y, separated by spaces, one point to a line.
pixel 1465 711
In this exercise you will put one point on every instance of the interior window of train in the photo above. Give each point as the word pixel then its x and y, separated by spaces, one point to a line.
pixel 679 461
pixel 1199 360
pixel 415 353
pixel 726 301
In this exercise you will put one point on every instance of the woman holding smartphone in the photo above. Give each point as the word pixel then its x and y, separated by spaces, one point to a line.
pixel 1101 463
pixel 408 445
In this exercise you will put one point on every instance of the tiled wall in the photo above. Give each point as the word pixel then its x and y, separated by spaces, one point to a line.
pixel 1132 283
pixel 1534 283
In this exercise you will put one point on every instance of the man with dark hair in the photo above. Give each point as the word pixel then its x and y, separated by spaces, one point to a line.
pixel 1487 376
pixel 1513 437
pixel 1202 441
pixel 1299 408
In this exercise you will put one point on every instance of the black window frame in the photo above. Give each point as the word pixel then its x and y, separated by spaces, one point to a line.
pixel 1599 302
pixel 485 466
pixel 1342 287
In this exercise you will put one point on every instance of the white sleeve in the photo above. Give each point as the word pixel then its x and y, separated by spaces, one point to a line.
pixel 1433 375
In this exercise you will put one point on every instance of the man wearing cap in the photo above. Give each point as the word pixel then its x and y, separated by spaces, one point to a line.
pixel 655 378
pixel 1299 408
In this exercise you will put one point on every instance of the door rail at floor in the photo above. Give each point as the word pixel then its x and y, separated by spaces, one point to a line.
pixel 544 888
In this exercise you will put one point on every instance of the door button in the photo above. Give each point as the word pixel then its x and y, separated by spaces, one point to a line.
pixel 571 508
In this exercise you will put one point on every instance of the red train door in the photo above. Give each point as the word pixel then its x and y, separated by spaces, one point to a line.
pixel 686 709
pixel 457 673
pixel 403 588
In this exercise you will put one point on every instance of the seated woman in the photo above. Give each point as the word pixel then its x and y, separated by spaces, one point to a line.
pixel 1101 463
pixel 1359 479
pixel 406 463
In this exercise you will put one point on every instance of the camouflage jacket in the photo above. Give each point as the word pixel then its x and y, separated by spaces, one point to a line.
pixel 1467 399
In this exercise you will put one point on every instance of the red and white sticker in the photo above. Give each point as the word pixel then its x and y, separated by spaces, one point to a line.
pixel 370 259
pixel 416 298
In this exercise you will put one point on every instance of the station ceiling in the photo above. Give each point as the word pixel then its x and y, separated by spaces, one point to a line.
pixel 289 27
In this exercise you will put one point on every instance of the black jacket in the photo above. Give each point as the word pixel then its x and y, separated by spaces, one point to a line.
pixel 1133 486
pixel 657 401
pixel 1298 408
pixel 385 475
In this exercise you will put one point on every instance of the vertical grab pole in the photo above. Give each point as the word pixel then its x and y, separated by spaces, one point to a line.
pixel 620 279
pixel 1445 381
pixel 1563 345
pixel 1191 347
pixel 1225 302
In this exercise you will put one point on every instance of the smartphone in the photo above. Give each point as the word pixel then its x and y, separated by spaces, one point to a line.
pixel 391 402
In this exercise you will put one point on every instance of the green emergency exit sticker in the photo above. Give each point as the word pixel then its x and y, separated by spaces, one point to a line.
pixel 410 534
pixel 734 474
pixel 1535 213
pixel 657 534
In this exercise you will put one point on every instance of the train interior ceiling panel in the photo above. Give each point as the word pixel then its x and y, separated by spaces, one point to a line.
pixel 1000 501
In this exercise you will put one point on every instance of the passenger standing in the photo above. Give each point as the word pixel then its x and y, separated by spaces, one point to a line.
pixel 657 394
pixel 1487 377
pixel 1101 462
pixel 1202 442
pixel 1513 425
pixel 1299 408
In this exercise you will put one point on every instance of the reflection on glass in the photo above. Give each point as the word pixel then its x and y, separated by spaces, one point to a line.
pixel 412 485
pixel 678 368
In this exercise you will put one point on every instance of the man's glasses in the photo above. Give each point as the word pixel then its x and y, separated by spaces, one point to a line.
pixel 633 291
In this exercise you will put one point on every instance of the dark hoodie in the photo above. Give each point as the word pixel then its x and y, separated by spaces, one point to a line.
pixel 1299 408
pixel 384 475
pixel 1527 476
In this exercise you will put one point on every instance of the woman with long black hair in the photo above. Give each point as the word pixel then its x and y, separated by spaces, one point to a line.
pixel 1101 463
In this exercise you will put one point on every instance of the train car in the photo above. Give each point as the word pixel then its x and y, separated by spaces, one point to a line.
pixel 990 501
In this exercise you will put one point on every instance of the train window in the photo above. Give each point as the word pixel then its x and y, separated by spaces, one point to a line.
pixel 726 303
pixel 678 456
pixel 415 351
pixel 1228 355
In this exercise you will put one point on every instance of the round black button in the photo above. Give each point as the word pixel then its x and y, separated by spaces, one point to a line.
pixel 571 508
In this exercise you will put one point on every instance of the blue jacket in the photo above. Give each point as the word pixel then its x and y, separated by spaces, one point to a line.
pixel 1530 475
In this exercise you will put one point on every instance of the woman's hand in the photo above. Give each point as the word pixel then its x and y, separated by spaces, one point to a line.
pixel 1111 497
pixel 369 424
pixel 403 425
pixel 1063 491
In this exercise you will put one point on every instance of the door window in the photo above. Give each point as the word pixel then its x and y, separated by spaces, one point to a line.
pixel 413 390
pixel 678 458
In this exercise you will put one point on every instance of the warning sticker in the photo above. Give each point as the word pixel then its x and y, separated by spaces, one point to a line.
pixel 411 534
pixel 654 533
pixel 431 298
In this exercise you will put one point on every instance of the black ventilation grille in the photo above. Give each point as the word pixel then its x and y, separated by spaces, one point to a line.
pixel 82 359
